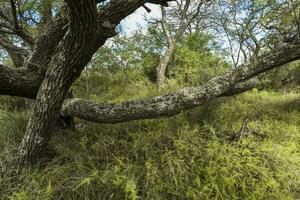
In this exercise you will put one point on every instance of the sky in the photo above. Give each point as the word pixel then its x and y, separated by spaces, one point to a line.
pixel 137 19
pixel 133 21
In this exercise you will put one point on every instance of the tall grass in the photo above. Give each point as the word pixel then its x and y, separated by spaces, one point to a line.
pixel 194 155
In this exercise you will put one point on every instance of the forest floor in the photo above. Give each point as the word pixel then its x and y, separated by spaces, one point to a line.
pixel 242 147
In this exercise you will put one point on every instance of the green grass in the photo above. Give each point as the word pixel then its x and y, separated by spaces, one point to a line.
pixel 190 156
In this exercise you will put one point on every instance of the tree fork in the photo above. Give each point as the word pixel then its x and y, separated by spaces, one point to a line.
pixel 87 32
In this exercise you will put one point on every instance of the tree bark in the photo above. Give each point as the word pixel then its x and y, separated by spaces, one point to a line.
pixel 86 34
pixel 162 106
pixel 233 82
pixel 76 51
pixel 151 108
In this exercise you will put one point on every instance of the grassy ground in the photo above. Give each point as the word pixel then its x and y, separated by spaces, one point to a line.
pixel 200 154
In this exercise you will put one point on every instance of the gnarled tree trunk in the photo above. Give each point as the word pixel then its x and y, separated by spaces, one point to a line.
pixel 87 32
pixel 75 52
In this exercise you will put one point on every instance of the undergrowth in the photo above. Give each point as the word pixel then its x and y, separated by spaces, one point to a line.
pixel 195 155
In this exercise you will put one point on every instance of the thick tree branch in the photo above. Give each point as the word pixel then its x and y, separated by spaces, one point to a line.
pixel 162 106
pixel 17 54
pixel 72 55
pixel 176 102
pixel 25 82
pixel 19 82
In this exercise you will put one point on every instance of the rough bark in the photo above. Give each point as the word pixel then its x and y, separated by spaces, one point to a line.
pixel 171 104
pixel 86 34
pixel 161 106
pixel 75 52
pixel 141 109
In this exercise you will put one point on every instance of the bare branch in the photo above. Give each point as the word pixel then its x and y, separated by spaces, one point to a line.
pixel 16 26
pixel 165 27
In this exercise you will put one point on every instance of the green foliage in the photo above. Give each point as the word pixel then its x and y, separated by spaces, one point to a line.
pixel 13 103
pixel 128 52
pixel 283 79
pixel 195 63
pixel 12 127
pixel 195 155
pixel 190 156
pixel 104 86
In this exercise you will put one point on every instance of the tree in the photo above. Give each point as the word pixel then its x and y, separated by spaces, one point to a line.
pixel 247 27
pixel 174 23
pixel 56 56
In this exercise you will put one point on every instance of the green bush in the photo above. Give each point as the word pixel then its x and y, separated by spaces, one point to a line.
pixel 194 61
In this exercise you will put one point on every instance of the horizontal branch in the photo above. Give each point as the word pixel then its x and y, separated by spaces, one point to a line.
pixel 236 81
pixel 24 83
pixel 162 106
pixel 19 82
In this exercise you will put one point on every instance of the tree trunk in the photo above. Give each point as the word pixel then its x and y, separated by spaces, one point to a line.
pixel 163 66
pixel 59 55
pixel 74 53
pixel 44 117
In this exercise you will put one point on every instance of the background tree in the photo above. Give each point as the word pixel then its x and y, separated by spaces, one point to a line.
pixel 175 21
